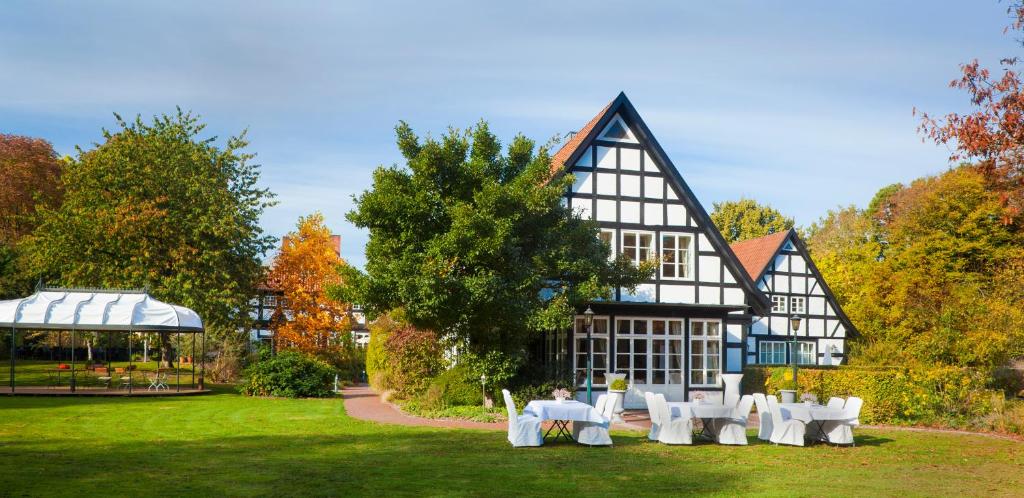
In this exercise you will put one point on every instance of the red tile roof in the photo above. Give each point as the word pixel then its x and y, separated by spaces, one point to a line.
pixel 755 254
pixel 558 160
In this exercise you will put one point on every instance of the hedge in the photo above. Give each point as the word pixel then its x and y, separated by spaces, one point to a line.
pixel 940 395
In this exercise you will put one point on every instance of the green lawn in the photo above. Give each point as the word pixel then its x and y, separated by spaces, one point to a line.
pixel 225 444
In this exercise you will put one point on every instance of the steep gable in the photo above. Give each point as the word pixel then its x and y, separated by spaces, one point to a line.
pixel 625 179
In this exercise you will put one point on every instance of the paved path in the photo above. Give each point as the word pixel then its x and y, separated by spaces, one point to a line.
pixel 363 403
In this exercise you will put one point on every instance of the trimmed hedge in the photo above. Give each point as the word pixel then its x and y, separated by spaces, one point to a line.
pixel 289 374
pixel 937 395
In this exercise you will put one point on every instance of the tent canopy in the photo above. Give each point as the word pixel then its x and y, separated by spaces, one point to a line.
pixel 97 310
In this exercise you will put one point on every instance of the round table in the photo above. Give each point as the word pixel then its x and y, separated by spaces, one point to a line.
pixel 706 412
pixel 562 412
pixel 812 413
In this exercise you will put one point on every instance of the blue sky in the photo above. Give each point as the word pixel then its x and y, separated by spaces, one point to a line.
pixel 802 105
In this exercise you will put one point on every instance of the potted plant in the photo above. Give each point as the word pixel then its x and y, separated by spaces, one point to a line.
pixel 788 395
pixel 698 398
pixel 617 387
pixel 808 398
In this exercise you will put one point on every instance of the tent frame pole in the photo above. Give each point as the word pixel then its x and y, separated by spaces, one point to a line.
pixel 177 374
pixel 13 330
pixel 131 364
pixel 74 335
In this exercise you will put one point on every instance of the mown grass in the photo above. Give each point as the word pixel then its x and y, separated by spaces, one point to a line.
pixel 225 444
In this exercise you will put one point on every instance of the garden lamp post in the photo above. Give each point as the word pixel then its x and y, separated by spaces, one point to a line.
pixel 483 388
pixel 589 319
pixel 795 322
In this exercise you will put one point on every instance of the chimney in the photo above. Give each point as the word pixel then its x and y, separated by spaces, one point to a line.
pixel 336 244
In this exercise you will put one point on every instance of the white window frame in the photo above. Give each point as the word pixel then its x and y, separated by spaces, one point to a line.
pixel 779 304
pixel 688 264
pixel 705 339
pixel 582 334
pixel 772 348
pixel 649 338
pixel 812 354
pixel 611 241
pixel 652 250
pixel 269 301
pixel 793 300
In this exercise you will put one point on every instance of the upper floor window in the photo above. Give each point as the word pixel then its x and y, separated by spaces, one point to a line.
pixel 778 304
pixel 797 305
pixel 269 301
pixel 637 246
pixel 675 256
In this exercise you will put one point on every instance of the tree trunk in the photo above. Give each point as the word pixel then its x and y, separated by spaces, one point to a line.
pixel 165 350
pixel 145 350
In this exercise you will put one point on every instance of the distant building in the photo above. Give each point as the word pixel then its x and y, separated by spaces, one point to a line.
pixel 269 306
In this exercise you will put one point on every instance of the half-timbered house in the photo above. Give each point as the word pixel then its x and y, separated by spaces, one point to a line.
pixel 678 332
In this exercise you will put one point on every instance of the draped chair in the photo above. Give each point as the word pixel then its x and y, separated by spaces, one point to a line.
pixel 523 430
pixel 764 433
pixel 733 430
pixel 785 431
pixel 673 430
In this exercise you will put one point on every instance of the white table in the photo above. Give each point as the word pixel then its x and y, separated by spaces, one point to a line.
pixel 561 413
pixel 706 412
pixel 812 413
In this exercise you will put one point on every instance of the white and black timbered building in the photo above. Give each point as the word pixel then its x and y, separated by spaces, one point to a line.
pixel 681 330
pixel 783 269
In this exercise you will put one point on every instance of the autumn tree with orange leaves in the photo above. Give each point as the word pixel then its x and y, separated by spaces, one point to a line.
pixel 306 266
pixel 992 137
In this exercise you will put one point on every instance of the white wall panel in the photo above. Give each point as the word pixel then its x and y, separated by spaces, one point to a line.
pixel 649 164
pixel 654 187
pixel 816 305
pixel 798 265
pixel 799 285
pixel 629 185
pixel 734 333
pixel 759 326
pixel 654 214
pixel 606 184
pixel 816 290
pixel 780 283
pixel 585 159
pixel 727 276
pixel 710 269
pixel 629 159
pixel 816 327
pixel 710 295
pixel 840 331
pixel 630 212
pixel 584 183
pixel 605 210
pixel 676 215
pixel 605 157
pixel 734 296
pixel 583 207
pixel 704 244
pixel 672 194
pixel 781 263
pixel 677 293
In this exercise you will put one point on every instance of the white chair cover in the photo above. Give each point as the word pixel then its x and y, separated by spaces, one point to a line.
pixel 764 433
pixel 523 430
pixel 732 388
pixel 836 403
pixel 841 431
pixel 602 400
pixel 677 430
pixel 734 430
pixel 609 409
pixel 652 410
pixel 785 431
pixel 595 433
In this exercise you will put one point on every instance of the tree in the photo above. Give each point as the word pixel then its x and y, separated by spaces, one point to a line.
pixel 304 269
pixel 157 206
pixel 31 171
pixel 477 245
pixel 992 137
pixel 746 219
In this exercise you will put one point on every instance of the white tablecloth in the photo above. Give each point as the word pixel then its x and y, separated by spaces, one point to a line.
pixel 806 413
pixel 549 409
pixel 700 410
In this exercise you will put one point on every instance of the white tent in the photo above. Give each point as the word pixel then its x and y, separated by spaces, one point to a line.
pixel 97 310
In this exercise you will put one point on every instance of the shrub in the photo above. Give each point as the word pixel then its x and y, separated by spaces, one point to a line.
pixel 941 395
pixel 289 374
pixel 501 369
pixel 377 361
pixel 414 357
pixel 455 387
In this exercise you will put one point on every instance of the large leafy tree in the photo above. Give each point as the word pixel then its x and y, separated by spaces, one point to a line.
pixel 746 219
pixel 304 269
pixel 929 272
pixel 156 205
pixel 30 171
pixel 475 243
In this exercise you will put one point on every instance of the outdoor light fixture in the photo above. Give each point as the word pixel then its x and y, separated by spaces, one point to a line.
pixel 795 322
pixel 588 317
